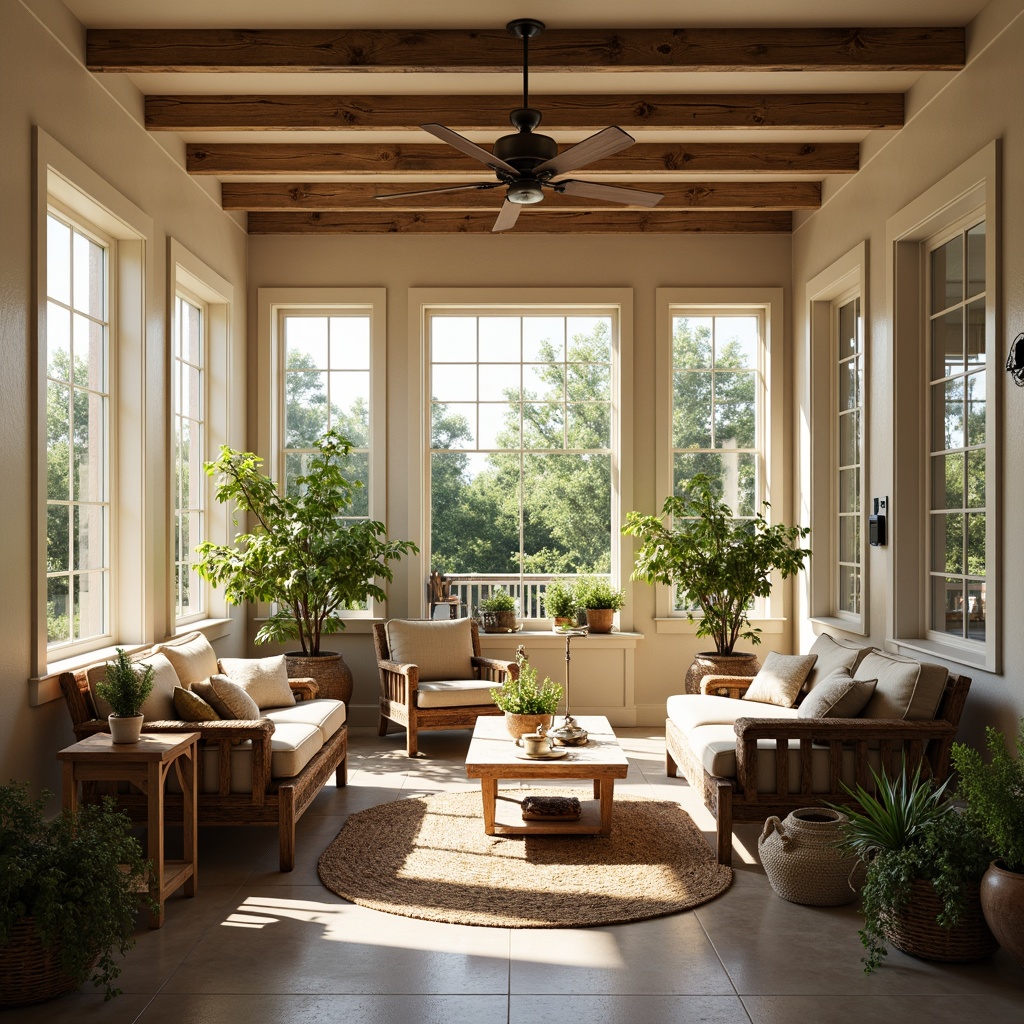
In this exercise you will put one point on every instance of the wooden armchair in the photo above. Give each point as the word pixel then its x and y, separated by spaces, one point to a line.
pixel 432 676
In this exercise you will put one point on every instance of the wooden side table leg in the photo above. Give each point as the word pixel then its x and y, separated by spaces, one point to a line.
pixel 489 792
pixel 155 839
pixel 607 787
pixel 69 786
pixel 189 797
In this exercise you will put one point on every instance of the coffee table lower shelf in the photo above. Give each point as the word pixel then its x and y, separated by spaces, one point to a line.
pixel 507 816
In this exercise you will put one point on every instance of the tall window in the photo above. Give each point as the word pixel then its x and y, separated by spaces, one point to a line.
pixel 521 444
pixel 959 433
pixel 848 433
pixel 78 310
pixel 188 373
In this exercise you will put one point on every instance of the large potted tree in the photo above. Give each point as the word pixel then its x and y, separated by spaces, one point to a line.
pixel 303 555
pixel 718 564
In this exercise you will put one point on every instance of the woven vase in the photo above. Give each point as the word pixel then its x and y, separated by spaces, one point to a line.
pixel 802 860
pixel 29 971
pixel 327 669
pixel 711 663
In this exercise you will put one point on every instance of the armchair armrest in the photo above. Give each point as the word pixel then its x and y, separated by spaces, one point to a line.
pixel 304 688
pixel 494 669
pixel 726 686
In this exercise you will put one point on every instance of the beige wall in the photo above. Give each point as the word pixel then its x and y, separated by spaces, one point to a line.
pixel 509 261
pixel 949 126
pixel 43 83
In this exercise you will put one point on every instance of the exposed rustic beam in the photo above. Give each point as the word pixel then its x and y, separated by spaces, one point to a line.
pixel 860 111
pixel 666 160
pixel 361 196
pixel 557 50
pixel 530 222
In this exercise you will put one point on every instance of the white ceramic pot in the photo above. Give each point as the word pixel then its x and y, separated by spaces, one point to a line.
pixel 125 728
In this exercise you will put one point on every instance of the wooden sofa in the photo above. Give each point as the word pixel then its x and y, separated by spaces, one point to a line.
pixel 749 761
pixel 236 780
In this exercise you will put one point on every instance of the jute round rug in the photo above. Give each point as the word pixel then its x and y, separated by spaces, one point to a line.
pixel 428 857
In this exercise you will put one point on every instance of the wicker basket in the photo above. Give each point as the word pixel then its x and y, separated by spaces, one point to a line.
pixel 29 971
pixel 916 931
pixel 328 670
pixel 802 860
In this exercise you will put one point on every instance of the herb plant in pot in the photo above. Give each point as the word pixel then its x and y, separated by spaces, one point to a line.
pixel 601 601
pixel 69 892
pixel 562 604
pixel 717 564
pixel 994 791
pixel 306 554
pixel 125 688
pixel 525 703
pixel 498 612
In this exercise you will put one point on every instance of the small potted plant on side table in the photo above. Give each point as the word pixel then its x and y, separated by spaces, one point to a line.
pixel 527 705
pixel 125 688
pixel 601 601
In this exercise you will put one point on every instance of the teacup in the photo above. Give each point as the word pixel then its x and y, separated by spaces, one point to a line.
pixel 536 744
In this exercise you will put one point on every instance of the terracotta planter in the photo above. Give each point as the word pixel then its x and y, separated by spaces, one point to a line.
pixel 125 728
pixel 1002 901
pixel 559 623
pixel 711 663
pixel 519 725
pixel 327 669
pixel 499 622
pixel 599 620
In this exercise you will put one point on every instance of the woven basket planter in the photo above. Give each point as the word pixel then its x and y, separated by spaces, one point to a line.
pixel 29 971
pixel 711 663
pixel 916 931
pixel 328 670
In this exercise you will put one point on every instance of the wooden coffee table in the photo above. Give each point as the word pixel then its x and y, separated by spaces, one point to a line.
pixel 492 756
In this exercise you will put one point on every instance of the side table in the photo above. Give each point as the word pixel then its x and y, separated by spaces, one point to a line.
pixel 146 765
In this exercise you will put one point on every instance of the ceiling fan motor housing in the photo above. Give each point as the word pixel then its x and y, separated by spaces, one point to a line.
pixel 525 149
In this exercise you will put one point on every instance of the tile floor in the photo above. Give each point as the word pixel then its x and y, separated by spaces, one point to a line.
pixel 264 948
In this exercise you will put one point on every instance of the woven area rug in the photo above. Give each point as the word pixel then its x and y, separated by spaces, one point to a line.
pixel 428 857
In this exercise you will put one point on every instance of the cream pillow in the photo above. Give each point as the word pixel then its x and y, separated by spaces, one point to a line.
pixel 264 679
pixel 192 708
pixel 839 695
pixel 440 649
pixel 192 656
pixel 833 652
pixel 159 705
pixel 228 699
pixel 780 679
pixel 897 680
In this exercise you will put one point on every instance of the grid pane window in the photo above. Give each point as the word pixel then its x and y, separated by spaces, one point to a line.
pixel 717 407
pixel 958 435
pixel 77 434
pixel 189 426
pixel 849 427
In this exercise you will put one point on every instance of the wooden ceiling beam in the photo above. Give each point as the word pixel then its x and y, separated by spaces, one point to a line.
pixel 635 112
pixel 531 221
pixel 361 196
pixel 664 160
pixel 557 50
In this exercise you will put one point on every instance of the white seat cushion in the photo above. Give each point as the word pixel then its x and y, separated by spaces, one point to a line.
pixel 293 745
pixel 453 693
pixel 441 649
pixel 689 710
pixel 327 715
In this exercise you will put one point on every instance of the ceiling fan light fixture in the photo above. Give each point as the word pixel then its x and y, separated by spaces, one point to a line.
pixel 524 192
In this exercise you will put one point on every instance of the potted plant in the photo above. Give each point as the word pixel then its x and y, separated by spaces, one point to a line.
pixel 125 688
pixel 562 604
pixel 498 612
pixel 601 601
pixel 923 861
pixel 527 705
pixel 69 891
pixel 305 554
pixel 718 564
pixel 994 791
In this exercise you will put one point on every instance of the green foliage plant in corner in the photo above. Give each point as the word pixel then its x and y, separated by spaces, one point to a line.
pixel 717 563
pixel 305 553
pixel 126 685
pixel 78 878
pixel 523 696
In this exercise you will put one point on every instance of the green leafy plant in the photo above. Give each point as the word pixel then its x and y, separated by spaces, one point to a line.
pixel 596 592
pixel 303 553
pixel 523 696
pixel 994 791
pixel 126 685
pixel 717 563
pixel 499 601
pixel 560 600
pixel 906 831
pixel 78 877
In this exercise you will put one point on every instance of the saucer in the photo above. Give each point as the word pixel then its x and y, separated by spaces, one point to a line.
pixel 551 755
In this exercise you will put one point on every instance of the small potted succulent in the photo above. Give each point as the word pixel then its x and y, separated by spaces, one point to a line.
pixel 525 703
pixel 125 688
pixel 601 601
pixel 498 612
pixel 562 604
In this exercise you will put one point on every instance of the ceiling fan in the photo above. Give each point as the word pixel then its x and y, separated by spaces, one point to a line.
pixel 526 162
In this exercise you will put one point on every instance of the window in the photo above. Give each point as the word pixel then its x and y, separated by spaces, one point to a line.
pixel 188 398
pixel 959 434
pixel 78 311
pixel 847 434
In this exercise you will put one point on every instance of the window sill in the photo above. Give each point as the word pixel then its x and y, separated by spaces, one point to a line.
pixel 854 626
pixel 682 625
pixel 947 652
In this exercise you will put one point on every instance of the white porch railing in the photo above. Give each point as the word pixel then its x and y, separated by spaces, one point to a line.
pixel 527 589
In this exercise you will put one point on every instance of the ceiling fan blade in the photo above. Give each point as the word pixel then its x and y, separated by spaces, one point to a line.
pixel 609 193
pixel 438 191
pixel 463 145
pixel 507 216
pixel 598 146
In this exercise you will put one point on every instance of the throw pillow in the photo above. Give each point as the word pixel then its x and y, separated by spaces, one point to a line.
pixel 264 679
pixel 897 684
pixel 441 649
pixel 838 696
pixel 192 656
pixel 192 708
pixel 228 699
pixel 780 679
pixel 833 652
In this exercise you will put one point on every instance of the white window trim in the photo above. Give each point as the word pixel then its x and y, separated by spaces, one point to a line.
pixel 972 187
pixel 769 301
pixel 191 277
pixel 63 177
pixel 272 303
pixel 422 302
pixel 847 278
